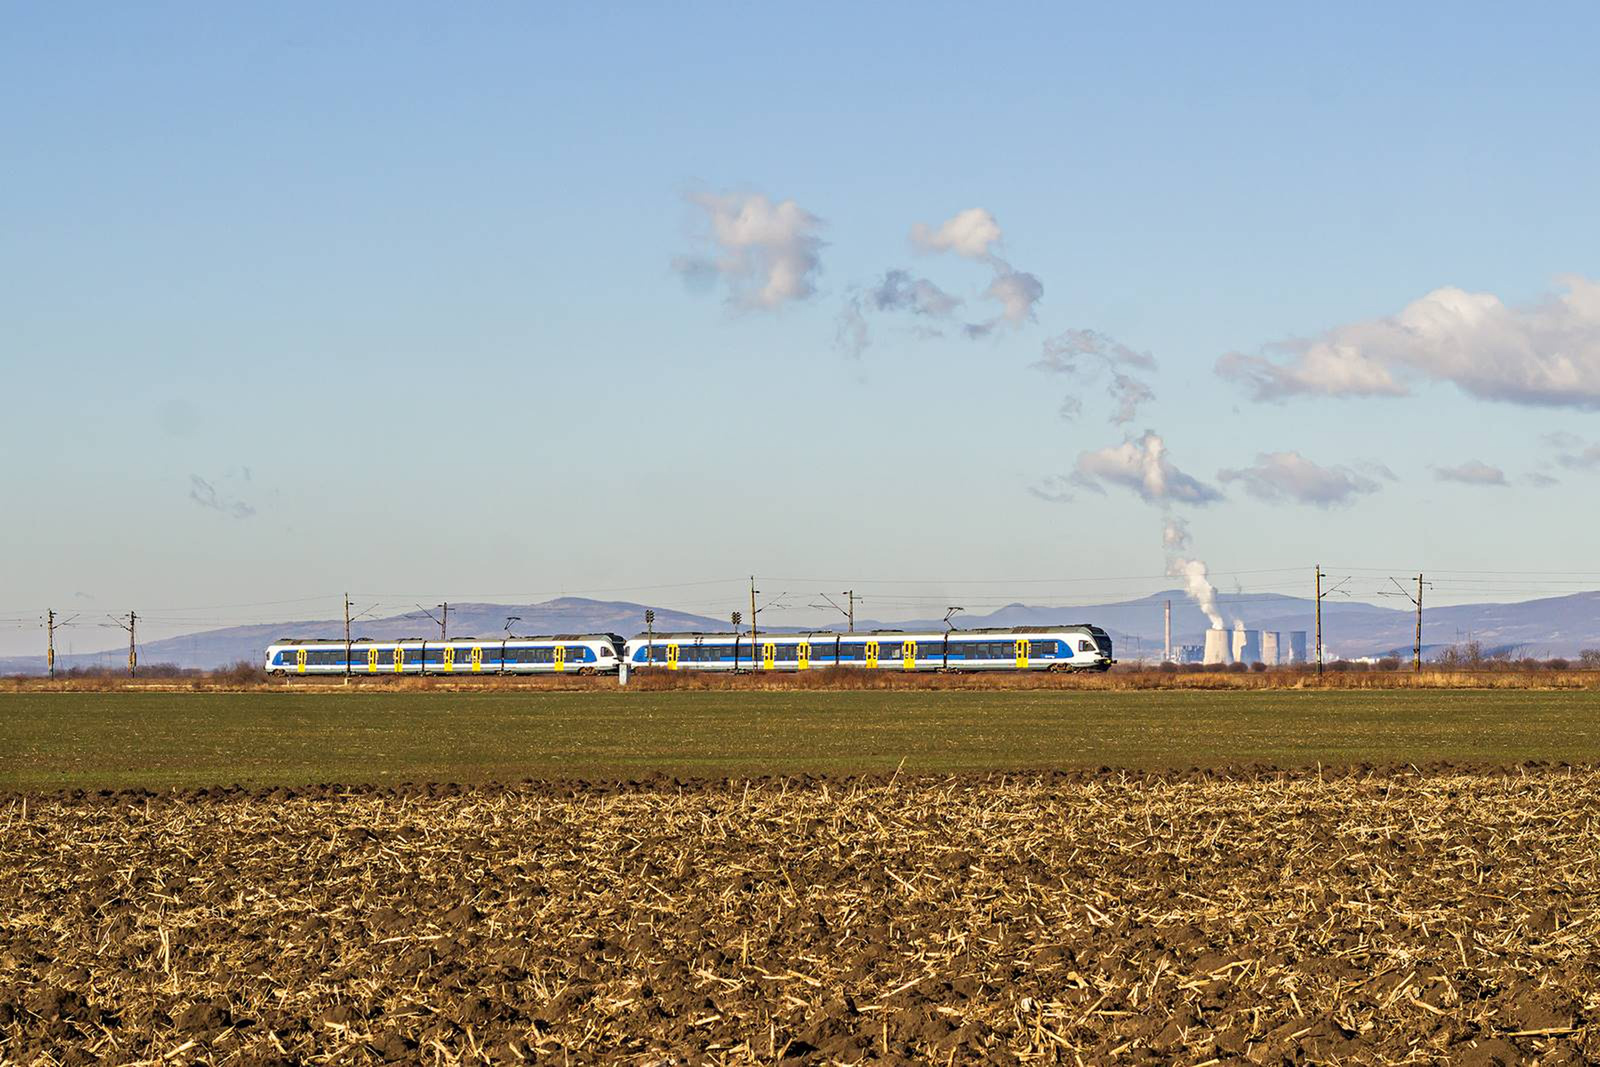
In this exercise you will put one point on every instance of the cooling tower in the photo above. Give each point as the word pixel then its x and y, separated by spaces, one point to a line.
pixel 1297 646
pixel 1246 646
pixel 1269 647
pixel 1217 648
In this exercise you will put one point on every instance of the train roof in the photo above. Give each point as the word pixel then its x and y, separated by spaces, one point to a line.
pixel 444 641
pixel 673 635
pixel 1058 628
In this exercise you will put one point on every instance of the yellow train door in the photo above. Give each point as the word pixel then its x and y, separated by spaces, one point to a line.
pixel 672 657
pixel 1022 653
pixel 803 656
pixel 872 653
pixel 372 661
pixel 449 659
pixel 300 660
pixel 908 655
pixel 558 656
pixel 399 659
pixel 769 655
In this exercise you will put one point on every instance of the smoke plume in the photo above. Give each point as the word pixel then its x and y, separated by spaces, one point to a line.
pixel 1198 586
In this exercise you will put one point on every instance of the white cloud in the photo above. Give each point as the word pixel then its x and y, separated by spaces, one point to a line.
pixel 1472 472
pixel 972 233
pixel 1278 477
pixel 768 253
pixel 1541 481
pixel 1140 464
pixel 1544 354
pixel 1175 534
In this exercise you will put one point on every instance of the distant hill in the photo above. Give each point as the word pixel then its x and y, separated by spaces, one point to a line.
pixel 1555 626
pixel 218 648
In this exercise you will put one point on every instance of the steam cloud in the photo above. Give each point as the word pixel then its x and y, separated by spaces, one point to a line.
pixel 767 253
pixel 1090 353
pixel 1140 464
pixel 1198 586
pixel 207 496
pixel 975 234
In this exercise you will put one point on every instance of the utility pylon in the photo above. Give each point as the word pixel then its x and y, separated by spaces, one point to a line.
pixel 50 643
pixel 347 636
pixel 1320 594
pixel 132 626
pixel 1416 647
pixel 1319 620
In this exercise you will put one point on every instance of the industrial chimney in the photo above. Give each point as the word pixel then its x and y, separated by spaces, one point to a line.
pixel 1269 647
pixel 1246 646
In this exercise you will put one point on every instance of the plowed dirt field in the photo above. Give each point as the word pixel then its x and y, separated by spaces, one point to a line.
pixel 1360 917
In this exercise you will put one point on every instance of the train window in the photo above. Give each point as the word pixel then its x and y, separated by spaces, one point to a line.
pixel 1085 646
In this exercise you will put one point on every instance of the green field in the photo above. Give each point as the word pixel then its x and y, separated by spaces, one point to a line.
pixel 102 740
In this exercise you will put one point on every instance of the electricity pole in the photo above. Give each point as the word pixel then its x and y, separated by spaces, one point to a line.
pixel 1319 620
pixel 347 635
pixel 133 655
pixel 753 591
pixel 1416 659
pixel 850 613
pixel 1416 648
pixel 1320 594
pixel 444 621
pixel 50 643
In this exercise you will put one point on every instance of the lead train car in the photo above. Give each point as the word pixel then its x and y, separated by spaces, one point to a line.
pixel 1060 648
pixel 575 653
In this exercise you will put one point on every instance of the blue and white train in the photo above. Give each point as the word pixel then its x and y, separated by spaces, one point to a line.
pixel 1020 648
pixel 576 653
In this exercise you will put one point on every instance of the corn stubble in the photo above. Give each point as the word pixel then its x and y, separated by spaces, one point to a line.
pixel 1369 917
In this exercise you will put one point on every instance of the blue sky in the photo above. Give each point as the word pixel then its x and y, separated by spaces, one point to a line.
pixel 384 298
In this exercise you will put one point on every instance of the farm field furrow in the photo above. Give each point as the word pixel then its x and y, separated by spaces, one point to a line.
pixel 156 740
pixel 1392 917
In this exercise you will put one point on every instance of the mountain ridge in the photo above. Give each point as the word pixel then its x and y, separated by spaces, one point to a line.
pixel 1552 626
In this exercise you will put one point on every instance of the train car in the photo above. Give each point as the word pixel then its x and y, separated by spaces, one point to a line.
pixel 1060 648
pixel 729 651
pixel 576 653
